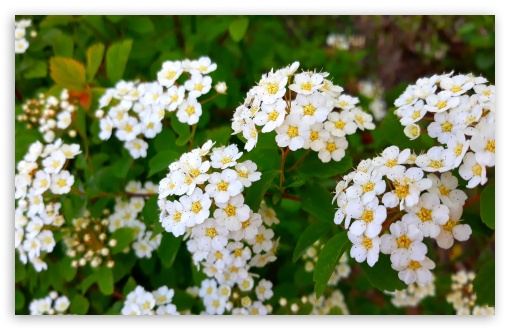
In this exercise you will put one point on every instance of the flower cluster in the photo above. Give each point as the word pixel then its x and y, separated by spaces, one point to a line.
pixel 136 110
pixel 333 303
pixel 141 302
pixel 343 42
pixel 462 296
pixel 342 269
pixel 49 305
pixel 413 294
pixel 224 235
pixel 306 122
pixel 40 177
pixel 49 114
pixel 462 111
pixel 391 189
pixel 374 92
pixel 20 33
pixel 127 215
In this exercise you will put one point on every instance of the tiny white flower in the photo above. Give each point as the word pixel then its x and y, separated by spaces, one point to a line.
pixel 346 102
pixel 169 73
pixel 210 235
pixel 415 271
pixel 263 290
pixel 247 173
pixel 263 240
pixel 203 65
pixel 225 157
pixel 61 182
pixel 436 159
pixel 306 83
pixel 271 115
pixel 473 171
pixel 364 248
pixel 412 131
pixel 453 228
pixel 198 85
pixel 292 133
pixel 428 214
pixel 106 126
pixel 189 111
pixel 54 162
pixel 362 119
pixel 334 148
pixel 197 207
pixel 271 87
pixel 441 102
pixel 340 124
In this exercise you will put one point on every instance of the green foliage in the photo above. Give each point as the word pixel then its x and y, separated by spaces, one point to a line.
pixel 255 193
pixel 328 259
pixel 488 206
pixel 310 235
pixel 68 73
pixel 238 28
pixel 317 202
pixel 124 237
pixel 95 55
pixel 382 276
pixel 168 249
pixel 161 161
pixel 105 279
pixel 116 59
pixel 484 284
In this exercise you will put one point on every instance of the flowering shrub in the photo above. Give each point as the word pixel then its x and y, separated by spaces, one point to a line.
pixel 184 188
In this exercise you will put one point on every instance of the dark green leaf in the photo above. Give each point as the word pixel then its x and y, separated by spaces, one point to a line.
pixel 95 55
pixel 168 249
pixel 37 69
pixel 79 305
pixel 122 166
pixel 140 24
pixel 309 236
pixel 335 310
pixel 105 279
pixel 306 309
pixel 150 210
pixel 382 276
pixel 488 206
pixel 124 237
pixel 484 284
pixel 158 229
pixel 67 73
pixel 255 193
pixel 129 286
pixel 182 300
pixel 116 59
pixel 161 161
pixel 68 271
pixel 312 166
pixel 182 129
pixel 19 299
pixel 328 259
pixel 220 135
pixel 63 45
pixel 20 272
pixel 317 202
pixel 55 20
pixel 165 140
pixel 238 28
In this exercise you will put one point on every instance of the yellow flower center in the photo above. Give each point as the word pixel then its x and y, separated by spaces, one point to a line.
pixel 230 210
pixel 199 87
pixel 343 104
pixel 436 164
pixel 175 98
pixel 444 191
pixel 314 135
pixel 309 110
pixel 448 226
pixel 456 89
pixel 307 86
pixel 360 119
pixel 404 242
pixel 491 146
pixel 170 74
pixel 441 104
pixel 211 232
pixel 487 92
pixel 416 114
pixel 477 170
pixel 245 224
pixel 292 131
pixel 44 183
pixel 242 174
pixel 425 214
pixel 129 128
pixel 62 183
pixel 410 100
pixel 177 216
pixel 273 88
pixel 150 125
pixel 401 190
pixel 367 243
pixel 259 238
pixel 339 124
pixel 273 115
pixel 369 186
pixel 331 146
pixel 218 255
pixel 55 164
pixel 194 172
pixel 458 149
pixel 222 186
pixel 367 216
pixel 414 265
pixel 226 160
pixel 196 207
pixel 190 110
pixel 446 126
pixel 391 163
pixel 238 252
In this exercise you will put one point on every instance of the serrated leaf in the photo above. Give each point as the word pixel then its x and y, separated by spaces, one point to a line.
pixel 116 59
pixel 488 206
pixel 124 236
pixel 67 73
pixel 309 236
pixel 484 284
pixel 255 193
pixel 328 259
pixel 105 279
pixel 238 28
pixel 160 162
pixel 317 201
pixel 168 249
pixel 182 129
pixel 382 276
pixel 95 55
pixel 312 166
pixel 79 305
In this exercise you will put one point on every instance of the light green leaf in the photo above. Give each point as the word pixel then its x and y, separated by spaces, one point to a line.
pixel 63 45
pixel 105 279
pixel 382 276
pixel 309 236
pixel 36 69
pixel 95 55
pixel 168 249
pixel 317 201
pixel 140 24
pixel 79 305
pixel 238 28
pixel 67 73
pixel 488 206
pixel 328 259
pixel 116 59
pixel 161 161
pixel 150 210
pixel 55 20
pixel 19 299
pixel 484 284
pixel 255 193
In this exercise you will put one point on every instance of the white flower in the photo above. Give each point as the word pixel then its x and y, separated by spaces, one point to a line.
pixel 240 253
pixel 412 113
pixel 257 308
pixel 407 98
pixel 271 87
pixel 263 240
pixel 64 119
pixel 247 173
pixel 371 216
pixel 169 309
pixel 33 247
pixel 263 290
pixel 453 229
pixel 47 240
pixel 441 102
pixel 473 171
pixel 215 304
pixel 54 162
pixel 271 115
pixel 163 295
pixel 415 271
pixel 225 157
pixel 131 309
pixel 340 124
pixel 137 148
pixel 391 160
pixel 189 111
pixel 151 126
pixel 106 126
pixel 61 183
pixel 428 214
pixel 292 133
pixel 407 188
pixel 219 259
pixel 268 214
pixel 20 46
pixel 436 159
pixel 483 143
pixel 331 89
pixel 61 304
pixel 334 148
pixel 318 137
pixel 34 151
pixel 459 146
pixel 41 182
pixel 232 213
pixel 146 302
pixel 366 186
pixel 444 188
pixel 445 126
pixel 486 93
pixel 210 235
pixel 311 108
pixel 198 85
pixel 221 87
pixel 362 119
pixel 404 243
pixel 143 249
pixel 364 248
pixel 346 102
pixel 202 66
pixel 128 129
pixel 70 150
pixel 412 131
pixel 250 133
pixel 175 219
pixel 197 207
pixel 306 83
pixel 458 85
pixel 290 69
pixel 169 73
pixel 207 287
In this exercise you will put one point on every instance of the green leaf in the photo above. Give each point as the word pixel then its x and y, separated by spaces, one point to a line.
pixel 67 73
pixel 19 299
pixel 122 166
pixel 310 235
pixel 20 272
pixel 68 271
pixel 158 229
pixel 328 259
pixel 382 276
pixel 55 20
pixel 79 305
pixel 312 166
pixel 220 135
pixel 150 211
pixel 105 279
pixel 95 55
pixel 116 59
pixel 255 193
pixel 306 309
pixel 182 129
pixel 335 310
pixel 484 284
pixel 124 236
pixel 182 300
pixel 317 201
pixel 129 286
pixel 36 69
pixel 168 249
pixel 63 45
pixel 161 161
pixel 238 28
pixel 81 122
pixel 140 24
pixel 488 206
pixel 165 140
